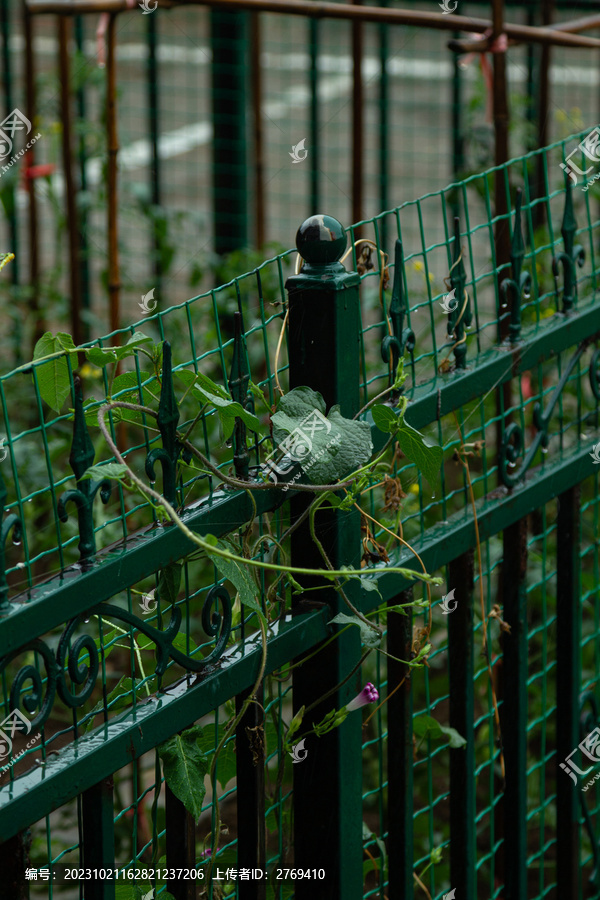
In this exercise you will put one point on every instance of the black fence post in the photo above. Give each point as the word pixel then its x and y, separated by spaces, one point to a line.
pixel 324 335
pixel 568 675
pixel 228 43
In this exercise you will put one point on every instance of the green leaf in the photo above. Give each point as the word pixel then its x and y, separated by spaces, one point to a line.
pixel 454 738
pixel 118 471
pixel 401 375
pixel 90 411
pixel 327 448
pixel 237 573
pixel 368 836
pixel 370 584
pixel 369 637
pixel 98 356
pixel 295 723
pixel 127 381
pixel 53 375
pixel 227 761
pixel 207 384
pixel 169 582
pixel 131 381
pixel 185 376
pixel 102 356
pixel 385 418
pixel 426 457
pixel 257 392
pixel 228 410
pixel 184 767
pixel 426 726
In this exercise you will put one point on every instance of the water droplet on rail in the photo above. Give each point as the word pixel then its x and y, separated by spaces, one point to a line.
pixel 544 449
pixel 512 465
pixel 87 620
pixel 16 542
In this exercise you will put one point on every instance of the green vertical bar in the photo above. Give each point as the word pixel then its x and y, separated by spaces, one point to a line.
pixel 462 759
pixel 400 752
pixel 568 649
pixel 514 708
pixel 229 42
pixel 98 838
pixel 324 333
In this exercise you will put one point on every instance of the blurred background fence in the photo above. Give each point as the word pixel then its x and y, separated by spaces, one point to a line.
pixel 209 105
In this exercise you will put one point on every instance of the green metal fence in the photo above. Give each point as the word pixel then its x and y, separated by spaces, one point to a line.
pixel 265 83
pixel 117 634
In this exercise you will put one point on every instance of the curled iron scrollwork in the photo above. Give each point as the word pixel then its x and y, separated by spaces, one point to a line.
pixel 513 442
pixel 594 374
pixel 403 338
pixel 65 671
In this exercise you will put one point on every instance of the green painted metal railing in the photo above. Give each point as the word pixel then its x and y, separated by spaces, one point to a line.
pixel 116 634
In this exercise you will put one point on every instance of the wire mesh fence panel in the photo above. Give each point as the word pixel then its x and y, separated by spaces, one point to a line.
pixel 421 112
pixel 158 561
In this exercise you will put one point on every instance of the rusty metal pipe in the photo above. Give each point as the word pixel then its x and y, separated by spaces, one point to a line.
pixel 114 283
pixel 64 33
pixel 324 10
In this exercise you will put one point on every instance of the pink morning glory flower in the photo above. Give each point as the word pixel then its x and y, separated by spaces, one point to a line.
pixel 369 694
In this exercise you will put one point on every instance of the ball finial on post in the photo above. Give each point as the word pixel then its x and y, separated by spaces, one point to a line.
pixel 321 241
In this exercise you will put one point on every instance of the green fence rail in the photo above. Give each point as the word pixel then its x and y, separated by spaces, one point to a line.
pixel 117 633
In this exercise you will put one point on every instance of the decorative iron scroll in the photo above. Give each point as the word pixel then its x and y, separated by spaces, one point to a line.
pixel 238 388
pixel 29 692
pixel 168 417
pixel 513 441
pixel 572 256
pixel 513 290
pixel 11 523
pixel 81 458
pixel 460 316
pixel 402 338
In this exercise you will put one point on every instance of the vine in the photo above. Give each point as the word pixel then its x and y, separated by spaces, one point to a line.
pixel 335 483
